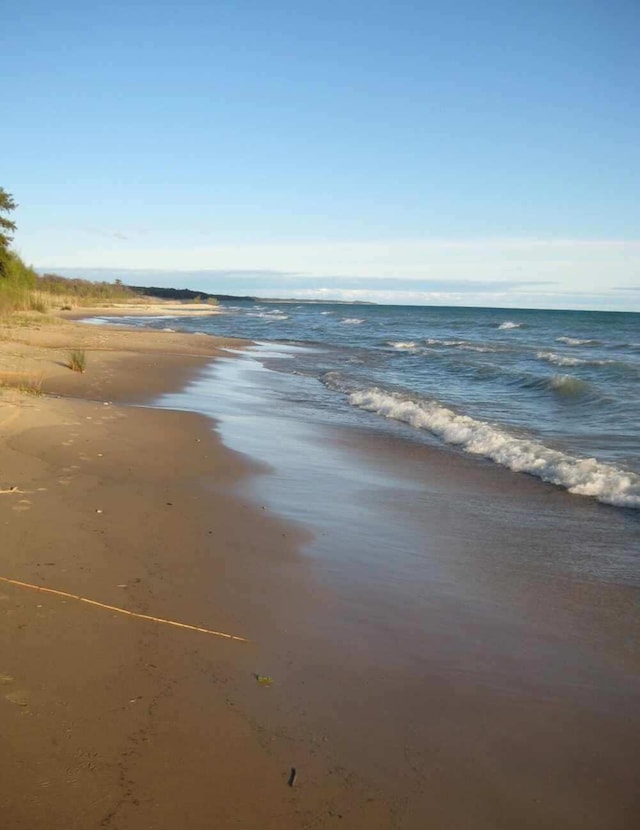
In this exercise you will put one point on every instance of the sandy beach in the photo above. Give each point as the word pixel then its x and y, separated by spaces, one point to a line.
pixel 466 681
pixel 110 721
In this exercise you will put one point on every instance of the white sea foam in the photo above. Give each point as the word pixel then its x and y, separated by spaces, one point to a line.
pixel 468 347
pixel 402 345
pixel 353 321
pixel 575 341
pixel 582 476
pixel 508 324
pixel 269 315
pixel 560 360
pixel 564 360
pixel 460 344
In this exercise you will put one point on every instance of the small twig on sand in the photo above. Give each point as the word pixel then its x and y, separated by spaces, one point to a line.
pixel 97 604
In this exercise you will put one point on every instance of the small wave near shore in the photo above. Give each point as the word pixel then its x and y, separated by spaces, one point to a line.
pixel 563 380
pixel 581 476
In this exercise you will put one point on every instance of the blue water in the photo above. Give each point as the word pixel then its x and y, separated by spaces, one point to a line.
pixel 555 394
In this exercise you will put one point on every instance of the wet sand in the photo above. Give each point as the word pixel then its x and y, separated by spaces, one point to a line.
pixel 443 652
pixel 475 657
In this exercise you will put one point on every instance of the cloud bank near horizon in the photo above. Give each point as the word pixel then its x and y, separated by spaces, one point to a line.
pixel 563 273
pixel 284 285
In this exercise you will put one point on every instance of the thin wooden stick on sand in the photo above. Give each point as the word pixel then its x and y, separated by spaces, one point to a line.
pixel 123 610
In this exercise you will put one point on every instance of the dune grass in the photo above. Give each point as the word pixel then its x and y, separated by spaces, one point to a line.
pixel 23 290
pixel 28 382
pixel 77 360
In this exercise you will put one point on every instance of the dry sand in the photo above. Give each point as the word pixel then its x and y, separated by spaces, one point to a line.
pixel 110 721
pixel 141 308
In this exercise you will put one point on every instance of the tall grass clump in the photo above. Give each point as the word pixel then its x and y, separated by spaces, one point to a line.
pixel 28 382
pixel 77 360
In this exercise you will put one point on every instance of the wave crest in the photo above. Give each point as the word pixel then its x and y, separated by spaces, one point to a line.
pixel 565 360
pixel 576 341
pixel 269 315
pixel 567 385
pixel 403 345
pixel 581 476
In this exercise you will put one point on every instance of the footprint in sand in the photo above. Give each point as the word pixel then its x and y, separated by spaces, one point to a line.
pixel 18 696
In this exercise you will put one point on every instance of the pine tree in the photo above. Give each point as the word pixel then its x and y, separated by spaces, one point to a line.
pixel 7 227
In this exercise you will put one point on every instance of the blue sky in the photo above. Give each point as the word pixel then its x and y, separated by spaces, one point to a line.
pixel 459 153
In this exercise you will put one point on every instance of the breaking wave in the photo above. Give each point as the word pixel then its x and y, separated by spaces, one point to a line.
pixel 469 347
pixel 564 360
pixel 575 341
pixel 270 315
pixel 581 476
pixel 464 345
pixel 567 385
pixel 508 324
pixel 354 321
pixel 433 341
pixel 403 345
pixel 412 346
